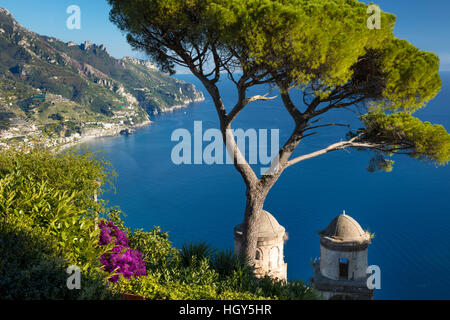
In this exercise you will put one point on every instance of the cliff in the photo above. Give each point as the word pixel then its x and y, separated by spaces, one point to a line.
pixel 55 91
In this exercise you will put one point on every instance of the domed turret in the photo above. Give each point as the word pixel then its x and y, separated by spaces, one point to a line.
pixel 269 225
pixel 341 271
pixel 269 254
pixel 344 231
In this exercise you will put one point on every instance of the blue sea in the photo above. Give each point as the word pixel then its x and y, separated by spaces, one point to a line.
pixel 407 209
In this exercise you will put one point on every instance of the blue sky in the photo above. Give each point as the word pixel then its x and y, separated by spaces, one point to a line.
pixel 425 23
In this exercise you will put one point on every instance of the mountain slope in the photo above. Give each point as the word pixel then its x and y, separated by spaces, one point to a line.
pixel 54 90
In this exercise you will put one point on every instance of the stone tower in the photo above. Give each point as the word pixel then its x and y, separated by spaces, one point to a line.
pixel 341 271
pixel 269 253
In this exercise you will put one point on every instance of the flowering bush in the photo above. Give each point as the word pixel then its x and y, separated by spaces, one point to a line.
pixel 110 233
pixel 122 259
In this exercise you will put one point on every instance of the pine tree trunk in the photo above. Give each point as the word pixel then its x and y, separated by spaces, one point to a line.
pixel 256 192
pixel 252 221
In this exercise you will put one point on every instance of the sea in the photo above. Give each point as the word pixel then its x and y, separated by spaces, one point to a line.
pixel 408 209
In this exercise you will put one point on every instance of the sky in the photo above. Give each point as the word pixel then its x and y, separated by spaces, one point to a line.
pixel 425 23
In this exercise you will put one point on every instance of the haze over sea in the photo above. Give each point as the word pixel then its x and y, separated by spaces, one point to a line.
pixel 407 209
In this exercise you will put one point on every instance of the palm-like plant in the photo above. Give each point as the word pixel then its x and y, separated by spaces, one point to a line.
pixel 226 261
pixel 191 253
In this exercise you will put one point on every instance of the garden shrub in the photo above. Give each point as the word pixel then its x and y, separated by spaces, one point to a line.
pixel 121 260
pixel 151 288
pixel 201 281
pixel 191 250
pixel 33 267
pixel 49 220
pixel 54 211
pixel 47 225
pixel 157 251
pixel 225 262
pixel 71 171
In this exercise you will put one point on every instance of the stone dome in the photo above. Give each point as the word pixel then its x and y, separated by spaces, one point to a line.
pixel 269 256
pixel 269 226
pixel 344 228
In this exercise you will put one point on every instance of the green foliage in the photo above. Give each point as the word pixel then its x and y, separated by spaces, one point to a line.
pixel 70 171
pixel 184 18
pixel 191 253
pixel 45 226
pixel 423 140
pixel 225 262
pixel 44 211
pixel 173 281
pixel 294 290
pixel 33 266
pixel 196 272
pixel 323 47
pixel 152 289
pixel 308 40
pixel 56 117
pixel 380 163
pixel 203 283
pixel 311 39
pixel 116 216
pixel 242 280
pixel 4 125
pixel 66 129
pixel 157 251
pixel 412 76
pixel 55 211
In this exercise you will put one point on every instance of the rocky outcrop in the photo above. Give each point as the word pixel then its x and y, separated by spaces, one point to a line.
pixel 89 71
pixel 5 12
pixel 149 65
pixel 86 45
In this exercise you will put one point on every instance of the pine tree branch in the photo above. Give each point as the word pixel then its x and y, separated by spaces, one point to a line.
pixel 352 143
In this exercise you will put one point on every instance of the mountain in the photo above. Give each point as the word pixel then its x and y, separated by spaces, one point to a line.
pixel 57 92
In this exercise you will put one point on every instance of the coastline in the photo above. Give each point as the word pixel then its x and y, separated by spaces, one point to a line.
pixel 179 106
pixel 114 132
pixel 109 130
pixel 103 133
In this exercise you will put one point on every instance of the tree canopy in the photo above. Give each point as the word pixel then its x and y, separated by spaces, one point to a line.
pixel 324 48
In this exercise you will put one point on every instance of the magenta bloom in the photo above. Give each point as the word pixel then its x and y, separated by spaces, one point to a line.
pixel 122 259
pixel 110 233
